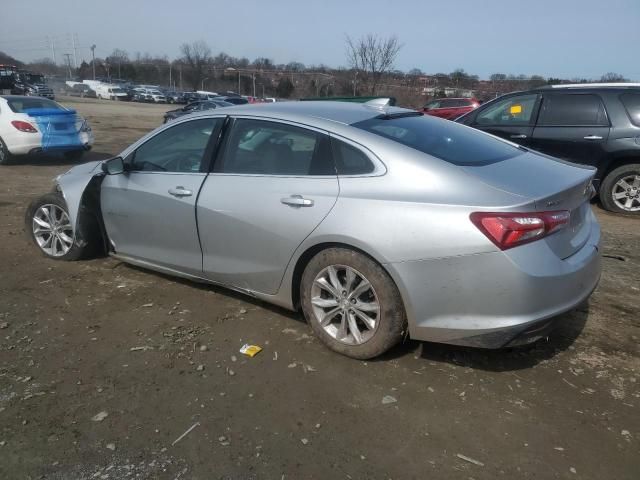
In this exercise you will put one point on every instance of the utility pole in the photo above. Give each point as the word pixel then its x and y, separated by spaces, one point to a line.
pixel 68 55
pixel 170 74
pixel 180 71
pixel 239 83
pixel 53 50
pixel 75 51
pixel 93 59
pixel 253 77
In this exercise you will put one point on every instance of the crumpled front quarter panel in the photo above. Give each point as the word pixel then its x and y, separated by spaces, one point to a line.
pixel 73 184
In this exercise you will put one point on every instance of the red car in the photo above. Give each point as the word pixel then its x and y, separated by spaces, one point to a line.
pixel 450 108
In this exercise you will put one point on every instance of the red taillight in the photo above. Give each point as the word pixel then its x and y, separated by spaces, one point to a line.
pixel 24 126
pixel 508 230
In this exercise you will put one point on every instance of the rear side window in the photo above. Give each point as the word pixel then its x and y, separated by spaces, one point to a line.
pixel 270 148
pixel 20 104
pixel 349 160
pixel 447 141
pixel 573 110
pixel 631 102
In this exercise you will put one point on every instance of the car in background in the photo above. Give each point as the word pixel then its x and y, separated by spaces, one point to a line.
pixel 174 97
pixel 591 124
pixel 235 100
pixel 81 90
pixel 28 83
pixel 450 108
pixel 111 92
pixel 31 125
pixel 281 213
pixel 193 107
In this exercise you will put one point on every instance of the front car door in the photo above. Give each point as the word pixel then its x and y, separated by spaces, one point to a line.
pixel 573 126
pixel 511 118
pixel 149 210
pixel 271 187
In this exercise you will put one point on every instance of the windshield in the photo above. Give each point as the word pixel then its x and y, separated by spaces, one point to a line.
pixel 33 78
pixel 117 90
pixel 442 139
pixel 20 104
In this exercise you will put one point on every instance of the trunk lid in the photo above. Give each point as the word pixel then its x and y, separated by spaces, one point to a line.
pixel 550 184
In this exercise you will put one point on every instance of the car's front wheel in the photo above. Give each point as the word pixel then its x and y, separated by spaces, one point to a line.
pixel 352 303
pixel 620 190
pixel 49 225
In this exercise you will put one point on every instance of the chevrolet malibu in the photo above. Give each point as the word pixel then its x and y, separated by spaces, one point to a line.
pixel 377 222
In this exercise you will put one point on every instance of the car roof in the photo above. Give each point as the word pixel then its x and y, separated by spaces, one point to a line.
pixel 342 112
pixel 589 86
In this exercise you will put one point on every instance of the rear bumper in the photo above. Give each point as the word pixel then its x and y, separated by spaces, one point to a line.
pixel 496 299
pixel 20 143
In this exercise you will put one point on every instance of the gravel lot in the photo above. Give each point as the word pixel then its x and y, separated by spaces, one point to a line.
pixel 103 368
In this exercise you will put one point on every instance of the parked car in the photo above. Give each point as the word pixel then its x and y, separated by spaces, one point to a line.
pixel 28 83
pixel 450 108
pixel 351 212
pixel 233 100
pixel 81 90
pixel 175 97
pixel 156 96
pixel 193 107
pixel 34 124
pixel 591 124
pixel 111 92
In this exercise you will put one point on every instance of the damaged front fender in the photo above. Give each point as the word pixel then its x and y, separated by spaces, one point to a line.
pixel 73 187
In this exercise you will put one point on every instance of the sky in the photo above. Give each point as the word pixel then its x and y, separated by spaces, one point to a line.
pixel 559 38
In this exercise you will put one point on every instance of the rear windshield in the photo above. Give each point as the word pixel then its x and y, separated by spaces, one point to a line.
pixel 20 104
pixel 631 102
pixel 442 139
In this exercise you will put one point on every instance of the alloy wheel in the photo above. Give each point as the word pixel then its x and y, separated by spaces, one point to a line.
pixel 52 230
pixel 626 193
pixel 345 304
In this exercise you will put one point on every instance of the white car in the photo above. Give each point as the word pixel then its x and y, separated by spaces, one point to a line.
pixel 34 124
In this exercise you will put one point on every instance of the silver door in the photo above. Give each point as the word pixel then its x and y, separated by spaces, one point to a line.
pixel 276 183
pixel 149 211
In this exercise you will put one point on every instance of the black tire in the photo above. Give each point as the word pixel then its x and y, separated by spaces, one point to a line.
pixel 86 240
pixel 74 155
pixel 609 187
pixel 6 158
pixel 391 321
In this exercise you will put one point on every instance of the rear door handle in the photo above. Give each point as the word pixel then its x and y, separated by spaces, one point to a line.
pixel 297 201
pixel 593 137
pixel 180 192
pixel 519 136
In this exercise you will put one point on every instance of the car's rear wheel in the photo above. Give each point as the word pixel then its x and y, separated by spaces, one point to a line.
pixel 5 155
pixel 49 225
pixel 352 304
pixel 620 190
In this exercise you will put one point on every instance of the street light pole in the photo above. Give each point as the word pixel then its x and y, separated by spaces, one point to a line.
pixel 253 76
pixel 93 60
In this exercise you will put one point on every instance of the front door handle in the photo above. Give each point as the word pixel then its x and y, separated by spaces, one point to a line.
pixel 593 137
pixel 297 201
pixel 180 192
pixel 520 136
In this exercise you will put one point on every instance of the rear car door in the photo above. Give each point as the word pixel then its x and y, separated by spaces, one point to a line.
pixel 272 186
pixel 149 210
pixel 511 118
pixel 573 126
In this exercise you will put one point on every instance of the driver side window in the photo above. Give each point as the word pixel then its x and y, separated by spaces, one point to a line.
pixel 178 149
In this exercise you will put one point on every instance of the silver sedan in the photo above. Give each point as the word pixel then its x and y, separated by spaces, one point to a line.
pixel 377 222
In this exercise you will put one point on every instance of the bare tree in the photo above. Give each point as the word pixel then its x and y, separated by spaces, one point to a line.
pixel 613 77
pixel 196 56
pixel 373 56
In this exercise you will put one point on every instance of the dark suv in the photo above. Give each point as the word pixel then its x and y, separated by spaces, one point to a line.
pixel 592 124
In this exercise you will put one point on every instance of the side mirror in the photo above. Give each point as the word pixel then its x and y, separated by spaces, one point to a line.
pixel 113 166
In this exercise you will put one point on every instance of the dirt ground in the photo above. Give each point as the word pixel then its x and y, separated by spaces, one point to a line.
pixel 104 367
